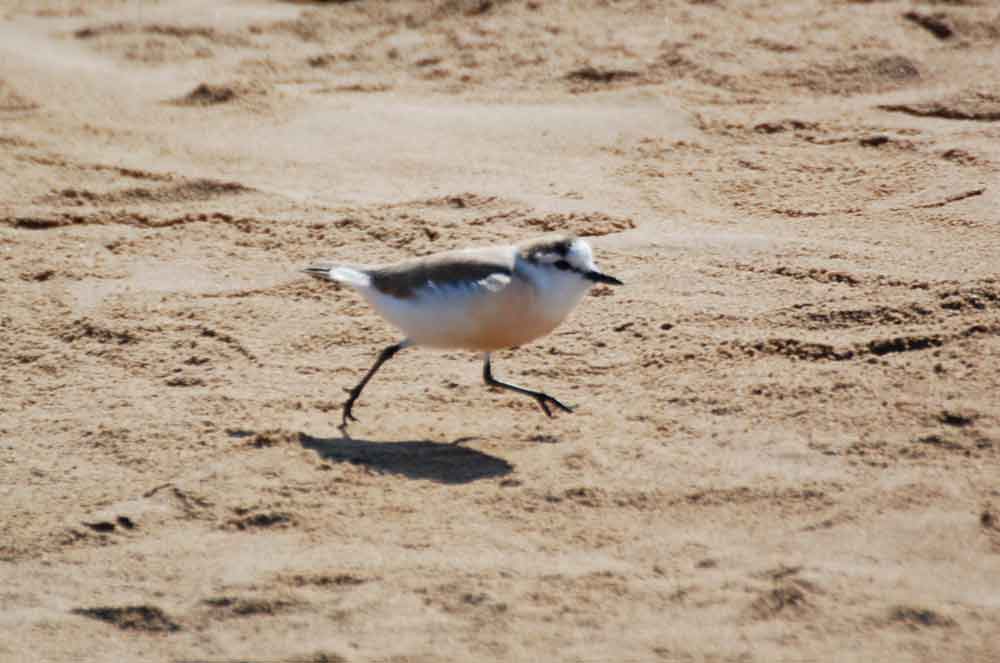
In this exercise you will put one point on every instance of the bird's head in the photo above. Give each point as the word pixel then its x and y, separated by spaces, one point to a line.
pixel 564 257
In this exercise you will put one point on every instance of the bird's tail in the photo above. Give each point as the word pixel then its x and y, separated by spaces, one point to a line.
pixel 339 273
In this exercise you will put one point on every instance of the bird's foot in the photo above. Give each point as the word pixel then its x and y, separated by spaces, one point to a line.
pixel 544 400
pixel 347 416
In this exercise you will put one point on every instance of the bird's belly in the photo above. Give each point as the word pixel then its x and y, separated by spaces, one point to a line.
pixel 504 331
pixel 474 322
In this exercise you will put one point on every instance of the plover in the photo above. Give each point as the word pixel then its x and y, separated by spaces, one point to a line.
pixel 483 300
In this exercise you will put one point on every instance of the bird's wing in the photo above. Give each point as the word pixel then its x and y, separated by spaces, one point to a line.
pixel 495 282
pixel 462 269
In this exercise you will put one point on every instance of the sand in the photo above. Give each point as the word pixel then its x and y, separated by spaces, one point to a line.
pixel 786 445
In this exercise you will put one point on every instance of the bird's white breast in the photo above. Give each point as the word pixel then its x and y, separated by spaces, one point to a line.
pixel 480 315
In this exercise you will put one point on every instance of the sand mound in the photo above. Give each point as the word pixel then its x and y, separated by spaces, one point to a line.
pixel 11 100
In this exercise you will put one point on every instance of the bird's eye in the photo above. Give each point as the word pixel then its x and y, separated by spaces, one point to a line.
pixel 562 264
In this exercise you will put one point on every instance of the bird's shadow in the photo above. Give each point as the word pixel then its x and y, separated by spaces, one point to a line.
pixel 448 463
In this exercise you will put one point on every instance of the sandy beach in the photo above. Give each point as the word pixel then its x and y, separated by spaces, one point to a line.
pixel 786 441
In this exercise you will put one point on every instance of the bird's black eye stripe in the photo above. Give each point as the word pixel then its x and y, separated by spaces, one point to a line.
pixel 562 264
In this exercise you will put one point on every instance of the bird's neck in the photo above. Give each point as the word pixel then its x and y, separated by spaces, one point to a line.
pixel 554 294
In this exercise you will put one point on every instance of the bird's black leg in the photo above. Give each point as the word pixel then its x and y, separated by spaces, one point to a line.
pixel 542 398
pixel 354 392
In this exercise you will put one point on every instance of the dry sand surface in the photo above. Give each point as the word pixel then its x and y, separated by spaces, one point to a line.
pixel 787 440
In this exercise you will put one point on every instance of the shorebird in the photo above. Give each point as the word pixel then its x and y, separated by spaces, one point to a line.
pixel 482 299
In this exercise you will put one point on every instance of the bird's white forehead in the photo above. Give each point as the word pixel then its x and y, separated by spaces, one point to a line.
pixel 575 251
pixel 580 254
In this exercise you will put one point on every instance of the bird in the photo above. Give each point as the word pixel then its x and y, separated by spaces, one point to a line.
pixel 478 299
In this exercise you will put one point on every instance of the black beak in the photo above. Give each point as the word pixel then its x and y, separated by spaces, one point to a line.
pixel 597 277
